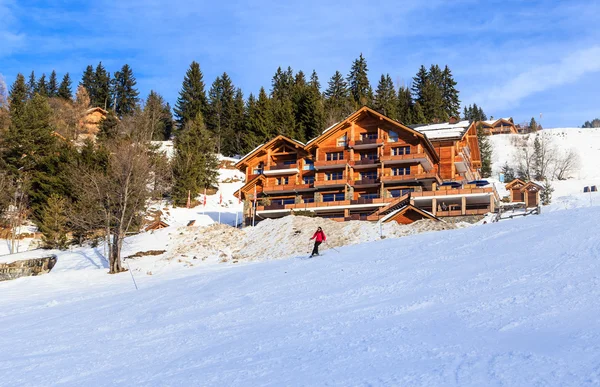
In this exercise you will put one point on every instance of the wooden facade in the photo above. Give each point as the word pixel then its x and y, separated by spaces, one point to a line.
pixel 522 192
pixel 357 167
pixel 499 126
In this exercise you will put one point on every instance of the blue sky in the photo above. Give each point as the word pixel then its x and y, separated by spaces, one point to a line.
pixel 514 58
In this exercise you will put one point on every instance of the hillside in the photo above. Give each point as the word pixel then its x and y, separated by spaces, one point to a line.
pixel 585 141
pixel 510 303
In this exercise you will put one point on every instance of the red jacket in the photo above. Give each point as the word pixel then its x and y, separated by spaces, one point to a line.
pixel 320 236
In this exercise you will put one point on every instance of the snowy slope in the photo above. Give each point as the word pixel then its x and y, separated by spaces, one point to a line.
pixel 512 303
pixel 585 141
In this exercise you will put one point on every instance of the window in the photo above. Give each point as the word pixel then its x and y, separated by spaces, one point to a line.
pixel 400 171
pixel 368 156
pixel 289 162
pixel 342 140
pixel 332 156
pixel 370 196
pixel 369 175
pixel 309 200
pixel 392 136
pixel 308 179
pixel 259 168
pixel 401 150
pixel 283 201
pixel 334 176
pixel 369 136
pixel 396 193
pixel 333 197
pixel 308 165
pixel 282 180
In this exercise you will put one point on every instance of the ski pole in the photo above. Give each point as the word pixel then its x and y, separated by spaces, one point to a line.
pixel 331 247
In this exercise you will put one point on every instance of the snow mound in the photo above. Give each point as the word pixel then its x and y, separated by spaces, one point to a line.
pixel 284 237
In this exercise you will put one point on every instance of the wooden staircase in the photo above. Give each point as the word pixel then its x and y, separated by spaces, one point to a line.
pixel 394 205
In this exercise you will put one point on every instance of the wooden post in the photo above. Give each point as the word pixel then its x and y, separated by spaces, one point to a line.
pixel 268 157
pixel 434 206
pixel 526 198
pixel 492 203
pixel 463 205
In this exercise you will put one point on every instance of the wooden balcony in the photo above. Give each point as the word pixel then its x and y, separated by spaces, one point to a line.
pixel 366 182
pixel 366 143
pixel 270 189
pixel 330 164
pixel 281 169
pixel 412 177
pixel 321 182
pixel 365 163
pixel 447 192
pixel 422 158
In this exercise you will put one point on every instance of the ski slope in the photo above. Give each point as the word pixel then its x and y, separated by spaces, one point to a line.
pixel 512 303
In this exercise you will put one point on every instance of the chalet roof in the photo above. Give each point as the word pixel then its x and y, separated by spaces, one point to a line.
pixel 96 109
pixel 533 185
pixel 156 225
pixel 366 109
pixel 444 131
pixel 514 182
pixel 409 207
pixel 266 145
pixel 493 122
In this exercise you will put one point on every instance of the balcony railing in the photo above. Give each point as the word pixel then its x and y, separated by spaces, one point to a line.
pixel 320 164
pixel 287 188
pixel 282 166
pixel 367 181
pixel 365 142
pixel 366 162
pixel 322 182
pixel 422 158
pixel 417 176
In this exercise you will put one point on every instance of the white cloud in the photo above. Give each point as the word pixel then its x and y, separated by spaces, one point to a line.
pixel 567 69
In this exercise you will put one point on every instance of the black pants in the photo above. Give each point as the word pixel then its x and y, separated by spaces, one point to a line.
pixel 316 248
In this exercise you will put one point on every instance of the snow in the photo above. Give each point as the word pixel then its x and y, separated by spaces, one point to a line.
pixel 585 141
pixel 511 303
pixel 444 130
pixel 492 122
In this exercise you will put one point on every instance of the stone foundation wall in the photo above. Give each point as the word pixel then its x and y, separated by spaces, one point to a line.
pixel 26 268
pixel 467 219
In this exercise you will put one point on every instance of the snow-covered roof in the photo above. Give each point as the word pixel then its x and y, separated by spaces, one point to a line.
pixel 443 130
pixel 492 122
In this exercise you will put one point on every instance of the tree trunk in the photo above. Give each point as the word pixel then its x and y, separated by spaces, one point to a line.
pixel 115 254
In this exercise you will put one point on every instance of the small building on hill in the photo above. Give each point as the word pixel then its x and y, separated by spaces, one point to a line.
pixel 499 126
pixel 522 192
pixel 90 123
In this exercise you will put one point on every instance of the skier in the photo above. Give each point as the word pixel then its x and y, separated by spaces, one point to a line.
pixel 319 238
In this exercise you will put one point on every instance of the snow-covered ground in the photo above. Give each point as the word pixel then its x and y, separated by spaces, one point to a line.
pixel 586 142
pixel 512 303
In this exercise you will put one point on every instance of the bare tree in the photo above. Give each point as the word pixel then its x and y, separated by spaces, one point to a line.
pixel 566 164
pixel 114 198
pixel 13 206
pixel 525 162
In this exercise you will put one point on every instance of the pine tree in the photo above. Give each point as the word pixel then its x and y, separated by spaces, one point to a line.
pixel 88 81
pixel 485 150
pixel 358 83
pixel 508 172
pixel 533 127
pixel 546 194
pixel 418 84
pixel 42 86
pixel 309 106
pixel 52 85
pixel 192 97
pixel 433 103
pixel 53 223
pixel 418 117
pixel 159 117
pixel 450 94
pixel 338 102
pixel 282 105
pixel 101 95
pixel 405 106
pixel 29 137
pixel 219 119
pixel 109 127
pixel 32 86
pixel 386 101
pixel 251 134
pixel 238 123
pixel 64 90
pixel 195 163
pixel 260 125
pixel 124 91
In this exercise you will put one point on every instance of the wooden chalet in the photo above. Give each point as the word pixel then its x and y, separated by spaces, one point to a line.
pixel 458 148
pixel 156 225
pixel 366 167
pixel 522 192
pixel 499 126
pixel 89 125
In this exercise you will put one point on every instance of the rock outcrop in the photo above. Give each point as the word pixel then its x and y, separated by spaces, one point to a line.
pixel 27 267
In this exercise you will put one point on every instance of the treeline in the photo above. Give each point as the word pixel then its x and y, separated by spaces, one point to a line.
pixel 595 123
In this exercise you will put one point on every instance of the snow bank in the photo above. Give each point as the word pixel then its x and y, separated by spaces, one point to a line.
pixel 512 303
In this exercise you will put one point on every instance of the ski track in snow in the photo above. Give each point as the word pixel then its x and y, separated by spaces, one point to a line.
pixel 511 303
